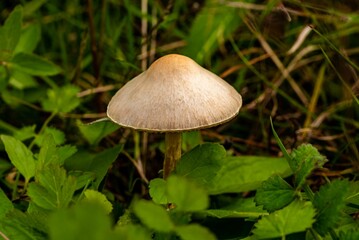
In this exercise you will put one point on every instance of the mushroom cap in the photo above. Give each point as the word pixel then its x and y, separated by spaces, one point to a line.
pixel 174 94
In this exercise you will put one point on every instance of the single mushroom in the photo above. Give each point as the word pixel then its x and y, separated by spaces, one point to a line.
pixel 174 95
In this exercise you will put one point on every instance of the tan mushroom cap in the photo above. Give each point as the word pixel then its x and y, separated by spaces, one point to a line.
pixel 174 94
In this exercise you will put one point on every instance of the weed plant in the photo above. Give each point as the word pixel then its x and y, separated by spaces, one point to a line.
pixel 285 168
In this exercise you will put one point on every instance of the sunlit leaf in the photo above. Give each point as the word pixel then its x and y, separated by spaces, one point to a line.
pixel 54 188
pixel 34 65
pixel 202 163
pixel 131 232
pixel 10 33
pixel 99 198
pixel 194 232
pixel 62 99
pixel 84 221
pixel 246 173
pixel 153 216
pixel 5 205
pixel 305 158
pixel 30 36
pixel 96 131
pixel 157 190
pixel 20 156
pixel 185 195
pixel 242 208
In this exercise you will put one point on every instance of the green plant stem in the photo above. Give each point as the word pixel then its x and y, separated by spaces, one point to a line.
pixel 14 191
pixel 173 145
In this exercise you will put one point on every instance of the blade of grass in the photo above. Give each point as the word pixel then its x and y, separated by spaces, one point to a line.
pixel 314 99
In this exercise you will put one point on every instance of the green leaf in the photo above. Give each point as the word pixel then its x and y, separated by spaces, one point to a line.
pixel 22 80
pixel 33 65
pixel 185 195
pixel 99 198
pixel 20 156
pixel 215 23
pixel 98 164
pixel 190 140
pixel 242 208
pixel 296 217
pixel 96 131
pixel 102 162
pixel 194 232
pixel 58 136
pixel 54 189
pixel 10 33
pixel 153 216
pixel 50 154
pixel 246 173
pixel 23 226
pixel 202 163
pixel 349 235
pixel 25 133
pixel 29 39
pixel 329 202
pixel 5 205
pixel 131 232
pixel 84 221
pixel 274 194
pixel 157 190
pixel 82 178
pixel 47 154
pixel 63 99
pixel 305 158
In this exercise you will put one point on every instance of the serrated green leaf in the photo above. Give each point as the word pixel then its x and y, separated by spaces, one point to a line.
pixel 202 163
pixel 50 154
pixel 96 131
pixel 47 154
pixel 185 195
pixel 157 190
pixel 329 202
pixel 20 156
pixel 194 232
pixel 10 33
pixel 58 135
pixel 33 65
pixel 5 205
pixel 64 152
pixel 305 158
pixel 25 133
pixel 29 39
pixel 246 173
pixel 53 189
pixel 153 216
pixel 296 217
pixel 84 221
pixel 99 198
pixel 349 235
pixel 63 99
pixel 23 226
pixel 274 194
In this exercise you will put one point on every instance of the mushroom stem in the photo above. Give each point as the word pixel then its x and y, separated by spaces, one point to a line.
pixel 173 145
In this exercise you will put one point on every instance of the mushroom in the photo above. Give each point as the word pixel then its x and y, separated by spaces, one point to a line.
pixel 174 95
